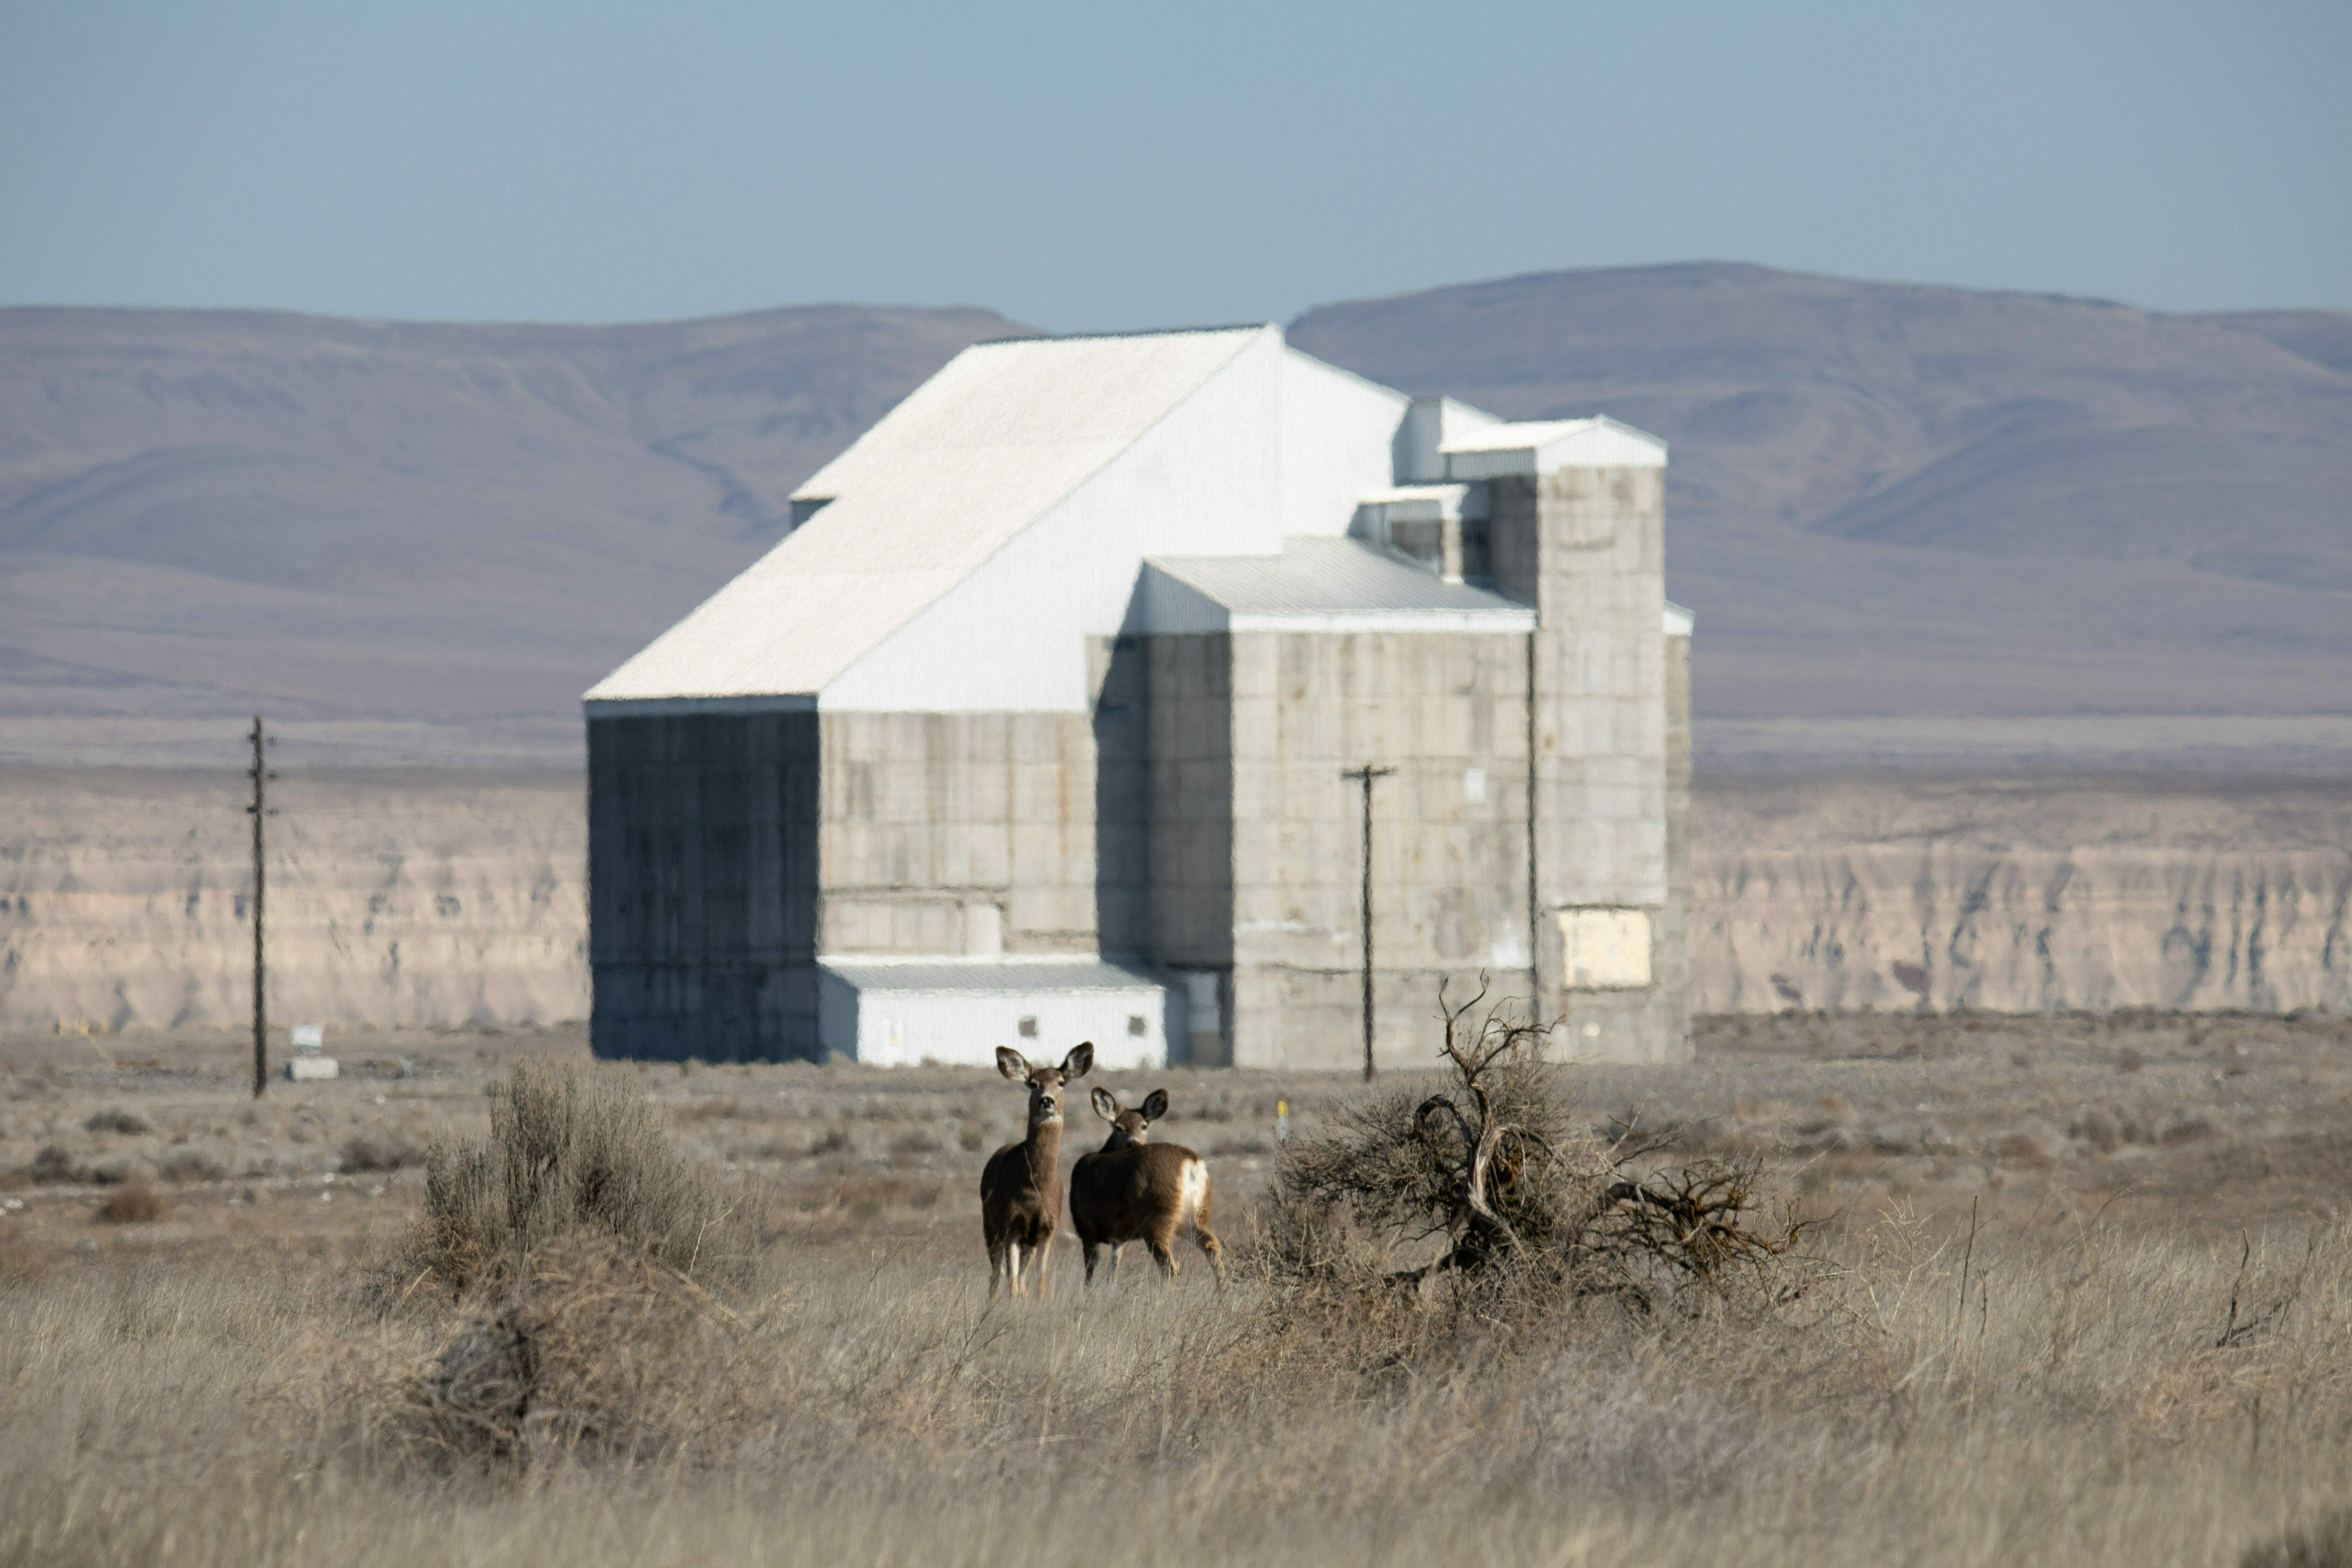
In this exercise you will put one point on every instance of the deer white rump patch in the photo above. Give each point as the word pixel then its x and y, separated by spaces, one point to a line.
pixel 1192 1190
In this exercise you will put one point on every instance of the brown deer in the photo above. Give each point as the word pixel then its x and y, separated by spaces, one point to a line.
pixel 1020 1187
pixel 1134 1190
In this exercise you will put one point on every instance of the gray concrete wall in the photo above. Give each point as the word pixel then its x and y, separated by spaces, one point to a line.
pixel 702 835
pixel 956 833
pixel 1671 1004
pixel 1449 845
pixel 1586 546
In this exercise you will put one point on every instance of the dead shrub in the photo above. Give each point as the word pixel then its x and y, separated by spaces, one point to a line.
pixel 2022 1149
pixel 57 1164
pixel 365 1153
pixel 2101 1131
pixel 570 1153
pixel 589 1352
pixel 136 1204
pixel 1527 1208
pixel 113 1119
pixel 2324 1544
pixel 914 1144
pixel 183 1167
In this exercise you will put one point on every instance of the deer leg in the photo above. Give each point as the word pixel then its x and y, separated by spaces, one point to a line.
pixel 1012 1269
pixel 1092 1249
pixel 1163 1255
pixel 1206 1240
pixel 996 1267
pixel 1043 1253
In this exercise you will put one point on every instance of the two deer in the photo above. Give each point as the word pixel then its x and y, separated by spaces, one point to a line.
pixel 1128 1190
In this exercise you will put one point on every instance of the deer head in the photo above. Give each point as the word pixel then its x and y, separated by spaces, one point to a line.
pixel 1046 1083
pixel 1130 1126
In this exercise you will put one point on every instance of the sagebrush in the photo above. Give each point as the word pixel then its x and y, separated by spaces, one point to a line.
pixel 571 1151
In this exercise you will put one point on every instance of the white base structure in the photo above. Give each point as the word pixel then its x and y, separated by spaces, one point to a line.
pixel 901 1013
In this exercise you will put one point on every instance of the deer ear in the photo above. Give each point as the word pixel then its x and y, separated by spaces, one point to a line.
pixel 1155 1105
pixel 1079 1062
pixel 1106 1104
pixel 1012 1064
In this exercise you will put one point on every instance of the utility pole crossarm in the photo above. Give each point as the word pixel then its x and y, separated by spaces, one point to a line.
pixel 1365 776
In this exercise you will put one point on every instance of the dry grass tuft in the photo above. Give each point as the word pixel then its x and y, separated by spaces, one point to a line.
pixel 590 1353
pixel 569 1151
pixel 113 1119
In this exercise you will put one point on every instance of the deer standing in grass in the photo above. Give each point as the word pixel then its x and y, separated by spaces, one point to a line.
pixel 1020 1187
pixel 1135 1189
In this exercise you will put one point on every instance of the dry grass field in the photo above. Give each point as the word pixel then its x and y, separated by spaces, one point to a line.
pixel 2076 1291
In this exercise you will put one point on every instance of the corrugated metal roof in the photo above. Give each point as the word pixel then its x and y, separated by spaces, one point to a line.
pixel 1001 977
pixel 1332 585
pixel 972 457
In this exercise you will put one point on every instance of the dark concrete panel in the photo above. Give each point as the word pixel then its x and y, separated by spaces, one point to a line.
pixel 1122 733
pixel 702 885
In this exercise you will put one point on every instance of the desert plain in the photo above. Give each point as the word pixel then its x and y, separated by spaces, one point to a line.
pixel 2075 1290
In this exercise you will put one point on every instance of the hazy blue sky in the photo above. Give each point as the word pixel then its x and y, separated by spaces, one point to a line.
pixel 1100 167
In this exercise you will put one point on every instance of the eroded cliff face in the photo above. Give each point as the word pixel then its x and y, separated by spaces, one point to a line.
pixel 2196 891
pixel 394 898
pixel 438 897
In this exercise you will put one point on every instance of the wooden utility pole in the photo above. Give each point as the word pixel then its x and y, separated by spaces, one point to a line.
pixel 259 810
pixel 1365 776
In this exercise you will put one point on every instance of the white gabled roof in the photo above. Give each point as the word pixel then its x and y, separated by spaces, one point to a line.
pixel 946 480
pixel 1543 446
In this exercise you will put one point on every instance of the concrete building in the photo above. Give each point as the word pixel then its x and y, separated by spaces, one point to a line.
pixel 1035 727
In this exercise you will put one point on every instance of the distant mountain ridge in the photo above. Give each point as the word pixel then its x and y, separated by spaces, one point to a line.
pixel 208 511
pixel 1884 499
pixel 1898 498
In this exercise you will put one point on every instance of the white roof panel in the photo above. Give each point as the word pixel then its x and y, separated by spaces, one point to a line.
pixel 1543 446
pixel 1319 585
pixel 972 457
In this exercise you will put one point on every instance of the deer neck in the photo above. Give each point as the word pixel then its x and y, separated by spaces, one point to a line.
pixel 1044 1146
